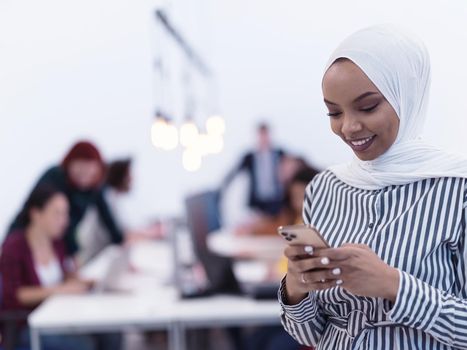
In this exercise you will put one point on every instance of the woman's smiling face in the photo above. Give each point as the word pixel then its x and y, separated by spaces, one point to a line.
pixel 359 113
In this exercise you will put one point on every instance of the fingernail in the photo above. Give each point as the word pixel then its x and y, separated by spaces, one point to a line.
pixel 309 249
pixel 336 271
pixel 325 261
pixel 339 282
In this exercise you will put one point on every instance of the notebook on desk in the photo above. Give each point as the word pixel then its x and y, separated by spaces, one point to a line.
pixel 117 265
pixel 203 218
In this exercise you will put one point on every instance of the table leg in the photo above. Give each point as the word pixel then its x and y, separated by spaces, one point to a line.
pixel 35 339
pixel 177 338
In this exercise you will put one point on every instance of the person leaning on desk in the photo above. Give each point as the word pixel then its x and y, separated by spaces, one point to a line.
pixel 397 214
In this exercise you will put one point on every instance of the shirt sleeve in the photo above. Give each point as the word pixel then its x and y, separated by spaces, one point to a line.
pixel 436 312
pixel 12 275
pixel 305 321
pixel 424 307
pixel 241 166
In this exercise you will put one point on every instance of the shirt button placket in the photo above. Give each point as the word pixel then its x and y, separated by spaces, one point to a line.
pixel 376 211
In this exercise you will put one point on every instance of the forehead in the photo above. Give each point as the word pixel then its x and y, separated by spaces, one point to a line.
pixel 58 199
pixel 345 80
pixel 84 162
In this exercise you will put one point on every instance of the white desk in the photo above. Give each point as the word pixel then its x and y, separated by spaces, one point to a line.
pixel 222 311
pixel 224 242
pixel 154 308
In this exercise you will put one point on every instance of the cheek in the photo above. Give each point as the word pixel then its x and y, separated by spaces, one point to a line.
pixel 390 133
pixel 391 120
pixel 57 223
pixel 395 129
pixel 335 126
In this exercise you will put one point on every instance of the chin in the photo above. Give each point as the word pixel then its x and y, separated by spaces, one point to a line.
pixel 366 157
pixel 56 236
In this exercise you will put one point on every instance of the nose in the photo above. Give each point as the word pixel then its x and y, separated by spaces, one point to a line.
pixel 350 125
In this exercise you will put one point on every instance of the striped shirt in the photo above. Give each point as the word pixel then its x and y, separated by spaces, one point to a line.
pixel 418 228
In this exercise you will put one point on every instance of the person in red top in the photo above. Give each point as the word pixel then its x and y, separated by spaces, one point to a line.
pixel 33 265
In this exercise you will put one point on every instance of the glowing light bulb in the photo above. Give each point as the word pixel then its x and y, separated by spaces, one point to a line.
pixel 157 132
pixel 170 138
pixel 215 125
pixel 216 144
pixel 202 145
pixel 188 134
pixel 191 159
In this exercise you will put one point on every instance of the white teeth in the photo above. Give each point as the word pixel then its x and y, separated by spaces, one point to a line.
pixel 361 142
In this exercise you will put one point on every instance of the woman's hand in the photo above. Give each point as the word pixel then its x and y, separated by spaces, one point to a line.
pixel 354 267
pixel 72 286
pixel 362 272
pixel 307 272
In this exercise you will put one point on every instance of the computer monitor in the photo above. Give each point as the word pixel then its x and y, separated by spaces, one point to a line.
pixel 203 218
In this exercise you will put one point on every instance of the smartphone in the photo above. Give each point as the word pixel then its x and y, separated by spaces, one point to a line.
pixel 302 235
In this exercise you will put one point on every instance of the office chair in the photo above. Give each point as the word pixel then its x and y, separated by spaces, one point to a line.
pixel 9 321
pixel 203 217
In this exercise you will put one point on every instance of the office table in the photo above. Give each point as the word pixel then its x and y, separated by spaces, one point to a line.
pixel 226 243
pixel 154 307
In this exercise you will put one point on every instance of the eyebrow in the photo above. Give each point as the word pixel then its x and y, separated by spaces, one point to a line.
pixel 361 97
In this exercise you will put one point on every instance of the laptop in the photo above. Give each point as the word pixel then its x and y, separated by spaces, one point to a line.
pixel 117 263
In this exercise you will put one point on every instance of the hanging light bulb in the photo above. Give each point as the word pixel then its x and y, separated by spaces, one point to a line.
pixel 191 159
pixel 188 134
pixel 215 125
pixel 216 144
pixel 170 138
pixel 202 144
pixel 158 130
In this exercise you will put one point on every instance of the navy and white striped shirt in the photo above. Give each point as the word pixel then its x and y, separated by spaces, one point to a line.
pixel 419 228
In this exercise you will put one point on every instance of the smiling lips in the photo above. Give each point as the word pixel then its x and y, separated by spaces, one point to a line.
pixel 361 145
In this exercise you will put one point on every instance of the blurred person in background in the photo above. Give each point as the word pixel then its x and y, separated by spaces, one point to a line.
pixel 262 166
pixel 289 166
pixel 93 236
pixel 291 212
pixel 33 266
pixel 80 177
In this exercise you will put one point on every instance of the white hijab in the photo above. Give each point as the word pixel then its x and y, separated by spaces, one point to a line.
pixel 399 66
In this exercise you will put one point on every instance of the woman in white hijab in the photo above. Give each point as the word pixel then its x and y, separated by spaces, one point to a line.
pixel 395 217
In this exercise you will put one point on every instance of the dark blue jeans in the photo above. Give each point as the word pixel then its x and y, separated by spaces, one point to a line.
pixel 271 338
pixel 108 341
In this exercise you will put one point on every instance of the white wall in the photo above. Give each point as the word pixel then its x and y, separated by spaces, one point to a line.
pixel 84 69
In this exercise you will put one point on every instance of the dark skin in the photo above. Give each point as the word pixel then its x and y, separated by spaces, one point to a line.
pixel 366 122
pixel 362 272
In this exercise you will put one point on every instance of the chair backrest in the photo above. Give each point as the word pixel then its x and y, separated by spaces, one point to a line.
pixel 203 217
pixel 9 324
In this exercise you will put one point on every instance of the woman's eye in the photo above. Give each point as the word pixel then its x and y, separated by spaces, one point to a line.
pixel 369 109
pixel 334 114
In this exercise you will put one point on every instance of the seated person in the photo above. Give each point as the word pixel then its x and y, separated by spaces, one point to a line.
pixel 291 213
pixel 33 267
